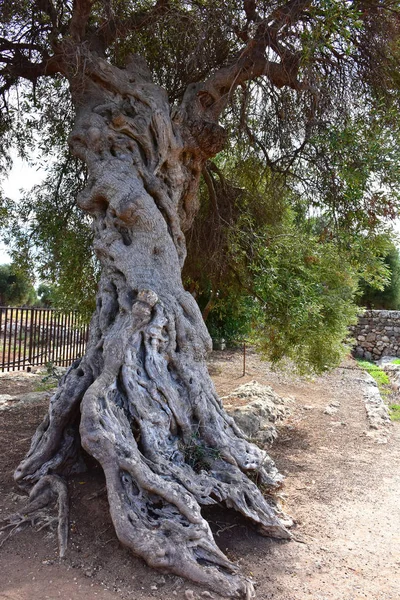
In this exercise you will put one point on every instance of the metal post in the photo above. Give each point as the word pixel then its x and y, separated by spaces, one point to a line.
pixel 10 340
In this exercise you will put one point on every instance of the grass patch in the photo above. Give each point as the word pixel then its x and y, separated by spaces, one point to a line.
pixel 378 374
pixel 50 380
pixel 199 456
pixel 383 382
pixel 394 411
pixel 45 386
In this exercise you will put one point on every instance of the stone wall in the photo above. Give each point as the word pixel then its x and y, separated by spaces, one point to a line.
pixel 377 334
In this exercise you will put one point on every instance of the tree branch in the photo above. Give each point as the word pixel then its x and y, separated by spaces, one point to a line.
pixel 20 66
pixel 80 16
pixel 252 61
pixel 23 57
pixel 204 102
pixel 7 45
pixel 117 26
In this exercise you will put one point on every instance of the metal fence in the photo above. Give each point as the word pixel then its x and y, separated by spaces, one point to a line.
pixel 37 336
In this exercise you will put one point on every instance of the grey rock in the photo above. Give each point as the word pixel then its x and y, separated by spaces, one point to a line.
pixel 330 410
pixel 5 398
pixel 335 403
pixel 264 409
pixel 21 399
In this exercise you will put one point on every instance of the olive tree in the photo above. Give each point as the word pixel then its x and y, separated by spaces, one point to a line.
pixel 146 87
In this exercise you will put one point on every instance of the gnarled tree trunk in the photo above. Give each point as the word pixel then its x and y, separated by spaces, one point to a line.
pixel 141 401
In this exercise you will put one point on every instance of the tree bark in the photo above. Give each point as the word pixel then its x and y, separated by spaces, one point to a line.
pixel 141 401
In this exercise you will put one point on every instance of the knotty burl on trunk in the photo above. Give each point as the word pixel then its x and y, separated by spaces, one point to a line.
pixel 141 401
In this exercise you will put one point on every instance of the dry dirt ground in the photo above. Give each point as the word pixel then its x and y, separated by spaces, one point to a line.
pixel 342 488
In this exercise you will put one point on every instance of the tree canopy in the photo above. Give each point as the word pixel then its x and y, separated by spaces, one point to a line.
pixel 307 93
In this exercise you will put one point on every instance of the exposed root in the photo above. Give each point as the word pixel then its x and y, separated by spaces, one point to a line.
pixel 55 446
pixel 166 447
pixel 49 490
pixel 14 525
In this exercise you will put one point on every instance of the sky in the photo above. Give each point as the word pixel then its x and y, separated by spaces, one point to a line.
pixel 21 176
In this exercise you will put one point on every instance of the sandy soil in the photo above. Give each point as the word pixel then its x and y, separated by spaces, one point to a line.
pixel 342 488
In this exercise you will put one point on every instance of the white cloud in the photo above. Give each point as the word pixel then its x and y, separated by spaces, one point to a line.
pixel 22 177
pixel 4 257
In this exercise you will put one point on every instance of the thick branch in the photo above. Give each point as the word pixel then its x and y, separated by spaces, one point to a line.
pixel 203 103
pixel 20 66
pixel 7 45
pixel 252 62
pixel 80 17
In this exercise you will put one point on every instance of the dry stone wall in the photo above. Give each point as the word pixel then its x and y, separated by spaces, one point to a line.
pixel 377 334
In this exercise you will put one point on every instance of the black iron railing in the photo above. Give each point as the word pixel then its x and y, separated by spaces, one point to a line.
pixel 38 336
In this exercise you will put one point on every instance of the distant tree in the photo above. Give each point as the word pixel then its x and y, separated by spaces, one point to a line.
pixel 45 295
pixel 15 288
pixel 388 297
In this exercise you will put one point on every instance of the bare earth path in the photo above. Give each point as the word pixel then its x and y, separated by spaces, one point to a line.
pixel 342 488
